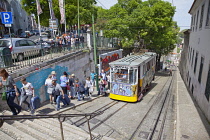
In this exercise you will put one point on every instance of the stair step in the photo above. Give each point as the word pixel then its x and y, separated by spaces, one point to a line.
pixel 107 138
pixel 31 131
pixel 68 126
pixel 15 133
pixel 44 130
pixel 56 128
pixel 4 136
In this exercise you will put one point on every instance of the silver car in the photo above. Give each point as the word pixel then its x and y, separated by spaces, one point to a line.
pixel 21 47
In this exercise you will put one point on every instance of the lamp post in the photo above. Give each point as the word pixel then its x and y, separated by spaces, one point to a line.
pixel 78 27
pixel 95 51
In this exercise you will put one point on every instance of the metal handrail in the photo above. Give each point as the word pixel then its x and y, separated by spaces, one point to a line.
pixel 61 118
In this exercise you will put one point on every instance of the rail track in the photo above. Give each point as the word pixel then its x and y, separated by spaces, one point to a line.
pixel 152 124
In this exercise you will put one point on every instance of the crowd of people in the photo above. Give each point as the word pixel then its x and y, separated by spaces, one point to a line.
pixel 70 87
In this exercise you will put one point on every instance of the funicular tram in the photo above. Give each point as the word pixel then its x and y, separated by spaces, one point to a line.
pixel 131 76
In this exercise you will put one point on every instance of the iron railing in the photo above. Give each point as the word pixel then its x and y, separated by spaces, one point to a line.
pixel 28 58
pixel 61 119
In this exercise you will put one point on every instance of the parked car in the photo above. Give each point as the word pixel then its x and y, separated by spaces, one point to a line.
pixel 24 35
pixel 29 33
pixel 21 47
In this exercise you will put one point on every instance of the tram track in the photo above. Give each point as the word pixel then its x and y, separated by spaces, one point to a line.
pixel 83 120
pixel 148 132
pixel 164 110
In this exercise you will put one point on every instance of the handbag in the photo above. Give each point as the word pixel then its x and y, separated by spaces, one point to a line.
pixel 68 87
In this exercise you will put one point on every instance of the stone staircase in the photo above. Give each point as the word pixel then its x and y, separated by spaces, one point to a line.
pixel 43 129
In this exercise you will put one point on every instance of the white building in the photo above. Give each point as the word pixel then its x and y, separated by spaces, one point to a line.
pixel 198 57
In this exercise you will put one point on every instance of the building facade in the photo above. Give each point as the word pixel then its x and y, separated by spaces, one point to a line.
pixel 21 21
pixel 197 73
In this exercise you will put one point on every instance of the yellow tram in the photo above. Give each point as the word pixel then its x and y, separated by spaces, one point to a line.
pixel 131 76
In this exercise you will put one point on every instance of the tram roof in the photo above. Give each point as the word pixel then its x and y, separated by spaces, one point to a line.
pixel 132 60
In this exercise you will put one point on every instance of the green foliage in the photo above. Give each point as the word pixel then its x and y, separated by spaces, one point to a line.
pixel 178 50
pixel 134 20
pixel 86 9
pixel 181 33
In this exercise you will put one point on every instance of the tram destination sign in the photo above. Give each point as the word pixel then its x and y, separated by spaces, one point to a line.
pixel 120 67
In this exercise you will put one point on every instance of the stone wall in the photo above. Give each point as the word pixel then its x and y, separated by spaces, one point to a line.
pixel 80 63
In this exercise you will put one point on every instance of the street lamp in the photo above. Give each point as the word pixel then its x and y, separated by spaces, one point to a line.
pixel 78 18
pixel 95 51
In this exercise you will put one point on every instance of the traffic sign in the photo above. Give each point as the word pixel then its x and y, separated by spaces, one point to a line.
pixel 8 25
pixel 6 17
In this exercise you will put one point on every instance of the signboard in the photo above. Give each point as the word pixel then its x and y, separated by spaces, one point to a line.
pixel 6 17
pixel 106 58
pixel 53 24
pixel 8 25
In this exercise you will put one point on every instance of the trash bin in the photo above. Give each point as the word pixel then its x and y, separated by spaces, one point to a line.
pixel 5 57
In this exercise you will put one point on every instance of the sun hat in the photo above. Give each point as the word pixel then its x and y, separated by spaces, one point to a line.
pixel 72 75
pixel 53 72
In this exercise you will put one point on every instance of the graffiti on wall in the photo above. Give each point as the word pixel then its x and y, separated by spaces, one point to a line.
pixel 105 59
pixel 121 89
pixel 38 80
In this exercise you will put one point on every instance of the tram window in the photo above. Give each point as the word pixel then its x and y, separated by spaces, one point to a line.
pixel 121 76
pixel 132 76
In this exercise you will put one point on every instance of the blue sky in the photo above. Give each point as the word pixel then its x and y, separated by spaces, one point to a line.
pixel 181 16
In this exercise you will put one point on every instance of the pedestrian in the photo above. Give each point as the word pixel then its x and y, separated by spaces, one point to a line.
pixel 27 92
pixel 170 72
pixel 88 86
pixel 77 42
pixel 102 84
pixel 108 81
pixel 71 84
pixel 64 81
pixel 93 77
pixel 48 83
pixel 9 86
pixel 82 39
pixel 53 73
pixel 79 89
pixel 103 74
pixel 59 95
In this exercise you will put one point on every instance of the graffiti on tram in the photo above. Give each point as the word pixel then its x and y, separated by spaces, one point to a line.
pixel 121 89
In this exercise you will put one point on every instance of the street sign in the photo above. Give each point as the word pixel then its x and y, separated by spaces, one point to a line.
pixel 8 25
pixel 6 17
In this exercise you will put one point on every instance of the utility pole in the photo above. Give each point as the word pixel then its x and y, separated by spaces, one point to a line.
pixel 78 27
pixel 95 51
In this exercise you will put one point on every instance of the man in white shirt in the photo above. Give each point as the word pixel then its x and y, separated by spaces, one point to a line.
pixel 27 92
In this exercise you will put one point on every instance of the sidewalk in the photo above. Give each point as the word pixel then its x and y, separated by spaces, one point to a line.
pixel 191 123
pixel 48 108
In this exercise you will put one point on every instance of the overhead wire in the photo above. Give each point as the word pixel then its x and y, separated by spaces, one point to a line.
pixel 102 4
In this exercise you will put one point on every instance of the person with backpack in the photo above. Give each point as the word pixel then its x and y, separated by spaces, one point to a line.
pixel 59 95
pixel 80 89
pixel 27 92
pixel 11 91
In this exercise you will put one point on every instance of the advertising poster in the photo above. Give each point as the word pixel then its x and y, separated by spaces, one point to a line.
pixel 106 58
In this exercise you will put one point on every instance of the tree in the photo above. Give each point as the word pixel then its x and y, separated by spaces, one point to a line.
pixel 151 21
pixel 86 7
